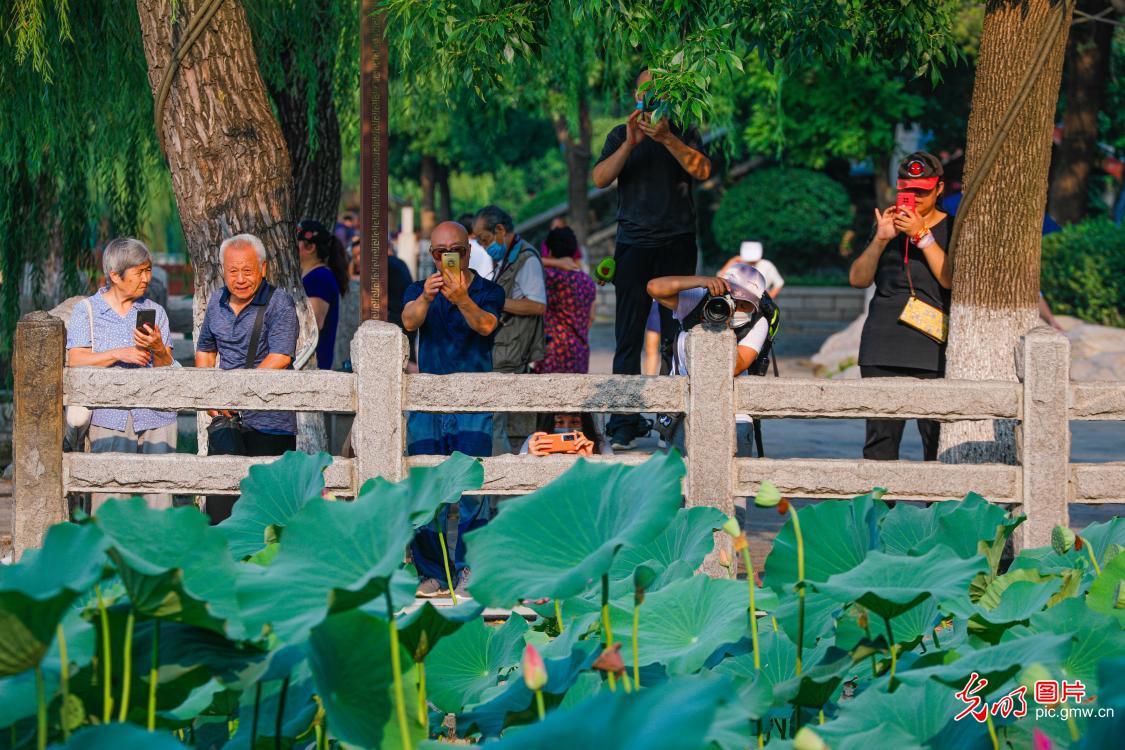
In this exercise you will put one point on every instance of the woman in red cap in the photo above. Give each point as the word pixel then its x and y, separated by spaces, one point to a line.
pixel 904 335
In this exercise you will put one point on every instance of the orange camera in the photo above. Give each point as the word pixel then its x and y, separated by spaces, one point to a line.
pixel 544 444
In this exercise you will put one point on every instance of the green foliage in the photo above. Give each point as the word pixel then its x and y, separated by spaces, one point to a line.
pixel 798 214
pixel 1083 272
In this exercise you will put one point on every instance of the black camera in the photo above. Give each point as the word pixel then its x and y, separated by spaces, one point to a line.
pixel 718 309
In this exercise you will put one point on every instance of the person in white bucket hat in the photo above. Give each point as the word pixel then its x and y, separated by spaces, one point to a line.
pixel 751 252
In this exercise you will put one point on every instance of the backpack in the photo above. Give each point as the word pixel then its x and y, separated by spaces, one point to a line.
pixel 767 309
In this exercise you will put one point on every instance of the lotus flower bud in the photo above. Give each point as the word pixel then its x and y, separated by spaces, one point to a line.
pixel 1062 539
pixel 807 739
pixel 731 527
pixel 610 660
pixel 724 558
pixel 768 495
pixel 534 671
pixel 1040 741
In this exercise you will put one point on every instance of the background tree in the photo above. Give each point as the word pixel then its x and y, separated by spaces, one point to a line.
pixel 996 243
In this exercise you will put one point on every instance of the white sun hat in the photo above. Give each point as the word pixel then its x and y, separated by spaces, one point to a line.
pixel 746 283
pixel 751 251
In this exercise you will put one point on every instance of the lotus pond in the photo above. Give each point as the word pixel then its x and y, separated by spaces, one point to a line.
pixel 293 625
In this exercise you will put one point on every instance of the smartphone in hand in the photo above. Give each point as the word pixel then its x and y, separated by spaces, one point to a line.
pixel 452 263
pixel 146 318
pixel 905 200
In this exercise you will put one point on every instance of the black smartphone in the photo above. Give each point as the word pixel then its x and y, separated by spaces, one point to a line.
pixel 146 318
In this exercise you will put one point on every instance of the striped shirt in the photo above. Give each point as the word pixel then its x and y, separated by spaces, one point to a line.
pixel 113 331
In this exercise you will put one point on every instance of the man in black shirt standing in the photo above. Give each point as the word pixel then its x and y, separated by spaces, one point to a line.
pixel 654 163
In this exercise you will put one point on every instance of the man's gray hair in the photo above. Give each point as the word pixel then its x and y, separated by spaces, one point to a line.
pixel 493 215
pixel 123 253
pixel 242 239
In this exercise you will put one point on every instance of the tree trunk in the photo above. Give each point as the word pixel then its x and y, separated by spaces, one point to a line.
pixel 229 164
pixel 577 167
pixel 446 206
pixel 996 261
pixel 884 195
pixel 428 180
pixel 1087 70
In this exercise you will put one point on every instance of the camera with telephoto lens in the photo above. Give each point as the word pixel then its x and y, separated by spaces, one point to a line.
pixel 718 309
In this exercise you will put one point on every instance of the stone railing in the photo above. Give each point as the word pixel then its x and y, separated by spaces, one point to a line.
pixel 379 391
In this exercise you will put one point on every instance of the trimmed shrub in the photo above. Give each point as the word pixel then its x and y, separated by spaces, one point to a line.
pixel 799 215
pixel 1083 272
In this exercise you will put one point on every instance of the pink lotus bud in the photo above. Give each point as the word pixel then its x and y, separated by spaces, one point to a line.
pixel 610 660
pixel 724 558
pixel 1040 741
pixel 534 671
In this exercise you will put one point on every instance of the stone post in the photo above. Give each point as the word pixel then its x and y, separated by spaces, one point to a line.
pixel 379 354
pixel 37 430
pixel 1043 364
pixel 709 433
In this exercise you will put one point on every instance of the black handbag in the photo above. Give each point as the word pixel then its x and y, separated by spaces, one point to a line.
pixel 224 434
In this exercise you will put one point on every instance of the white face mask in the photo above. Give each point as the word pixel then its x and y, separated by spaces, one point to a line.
pixel 740 319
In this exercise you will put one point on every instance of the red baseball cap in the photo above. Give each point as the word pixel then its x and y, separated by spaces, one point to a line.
pixel 920 169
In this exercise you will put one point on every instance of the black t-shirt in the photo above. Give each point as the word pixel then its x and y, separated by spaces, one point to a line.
pixel 654 200
pixel 885 341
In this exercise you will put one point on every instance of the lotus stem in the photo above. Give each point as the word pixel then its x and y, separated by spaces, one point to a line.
pixel 254 720
pixel 445 564
pixel 320 725
pixel 41 713
pixel 558 615
pixel 127 666
pixel 607 631
pixel 821 716
pixel 636 649
pixel 800 585
pixel 422 718
pixel 396 669
pixel 107 658
pixel 992 732
pixel 937 643
pixel 626 682
pixel 279 720
pixel 539 704
pixel 152 675
pixel 1073 726
pixel 753 608
pixel 321 737
pixel 1093 557
pixel 867 632
pixel 773 621
pixel 891 643
pixel 64 680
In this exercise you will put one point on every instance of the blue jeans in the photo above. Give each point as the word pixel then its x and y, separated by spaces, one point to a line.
pixel 431 434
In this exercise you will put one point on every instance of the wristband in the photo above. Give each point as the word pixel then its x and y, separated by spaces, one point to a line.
pixel 916 239
pixel 926 241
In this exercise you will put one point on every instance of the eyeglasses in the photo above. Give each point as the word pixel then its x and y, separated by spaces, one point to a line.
pixel 461 249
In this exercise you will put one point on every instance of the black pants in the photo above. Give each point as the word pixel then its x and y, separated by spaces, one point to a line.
pixel 885 435
pixel 257 444
pixel 636 266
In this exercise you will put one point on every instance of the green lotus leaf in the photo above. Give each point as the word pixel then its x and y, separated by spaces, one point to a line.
pixel 1105 592
pixel 427 488
pixel 687 539
pixel 119 737
pixel 421 629
pixel 197 701
pixel 838 534
pixel 1107 732
pixel 512 703
pixel 817 681
pixel 173 564
pixel 820 612
pixel 36 592
pixel 884 736
pixel 467 663
pixel 568 532
pixel 735 721
pixel 778 659
pixel 682 624
pixel 17 692
pixel 917 622
pixel 1005 602
pixel 272 494
pixel 674 716
pixel 350 659
pixel 182 649
pixel 1096 636
pixel 1101 535
pixel 997 663
pixel 922 713
pixel 335 556
pixel 964 526
pixel 299 710
pixel 889 585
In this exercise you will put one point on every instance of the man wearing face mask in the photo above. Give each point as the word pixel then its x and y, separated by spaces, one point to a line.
pixel 519 270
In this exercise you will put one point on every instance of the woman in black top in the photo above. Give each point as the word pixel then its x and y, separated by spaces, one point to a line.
pixel 888 347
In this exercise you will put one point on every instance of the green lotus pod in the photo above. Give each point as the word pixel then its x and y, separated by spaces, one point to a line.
pixel 807 739
pixel 768 495
pixel 1111 552
pixel 731 527
pixel 1062 539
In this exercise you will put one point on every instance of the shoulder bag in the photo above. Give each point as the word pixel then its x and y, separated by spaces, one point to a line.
pixel 224 434
pixel 79 417
pixel 919 315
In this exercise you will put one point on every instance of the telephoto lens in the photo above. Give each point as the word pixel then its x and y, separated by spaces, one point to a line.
pixel 718 309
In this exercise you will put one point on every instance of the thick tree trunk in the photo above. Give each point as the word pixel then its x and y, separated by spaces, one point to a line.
pixel 428 181
pixel 996 261
pixel 1087 70
pixel 229 164
pixel 577 167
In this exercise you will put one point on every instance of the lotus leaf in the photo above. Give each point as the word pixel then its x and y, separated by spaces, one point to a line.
pixel 17 693
pixel 272 494
pixel 997 663
pixel 687 539
pixel 674 716
pixel 335 556
pixel 197 701
pixel 349 654
pixel 421 629
pixel 1105 591
pixel 889 585
pixel 915 623
pixel 962 525
pixel 299 709
pixel 1095 635
pixel 426 488
pixel 173 564
pixel 838 535
pixel 1101 535
pixel 1107 732
pixel 36 592
pixel 567 533
pixel 119 737
pixel 467 663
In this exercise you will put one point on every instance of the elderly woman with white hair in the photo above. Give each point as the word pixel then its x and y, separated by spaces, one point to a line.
pixel 120 327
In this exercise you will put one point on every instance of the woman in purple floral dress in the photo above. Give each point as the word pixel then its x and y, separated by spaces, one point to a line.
pixel 570 307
